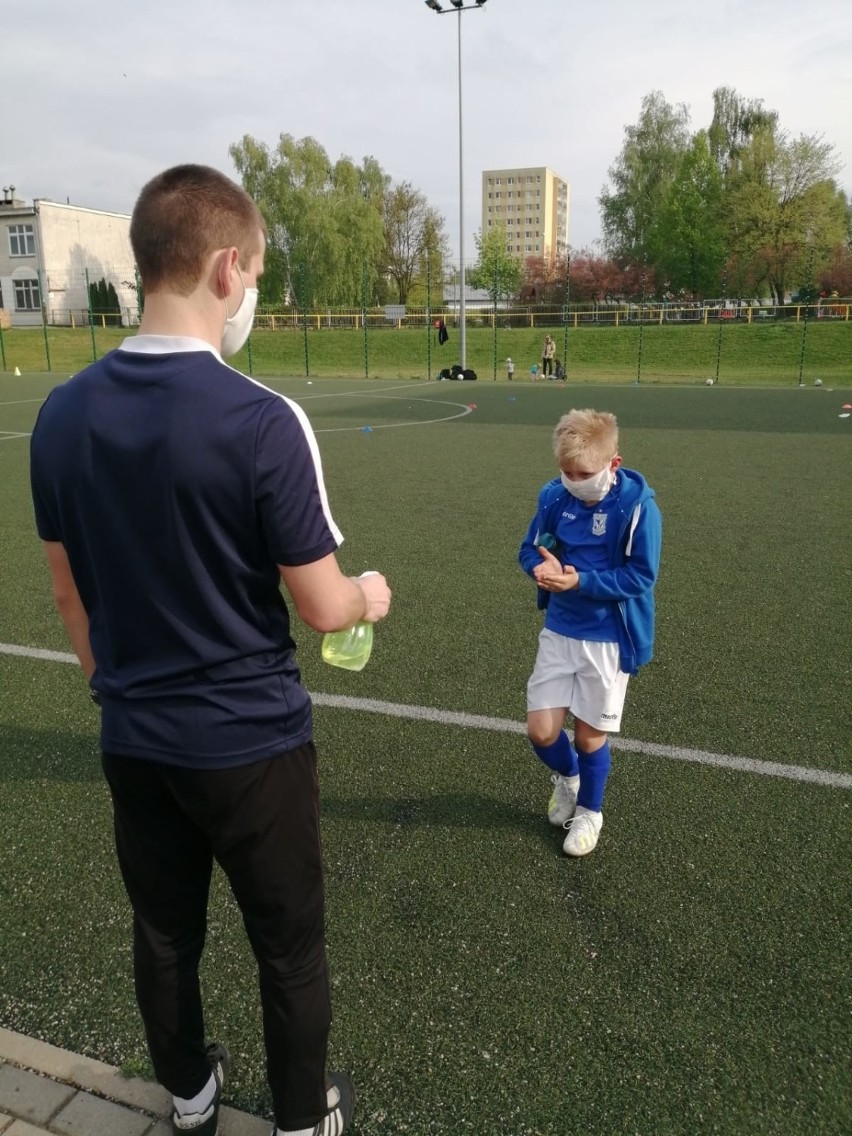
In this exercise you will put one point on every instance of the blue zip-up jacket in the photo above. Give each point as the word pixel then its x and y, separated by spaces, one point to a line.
pixel 633 547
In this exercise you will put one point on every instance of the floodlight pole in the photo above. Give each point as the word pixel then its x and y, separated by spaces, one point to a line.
pixel 459 8
pixel 462 302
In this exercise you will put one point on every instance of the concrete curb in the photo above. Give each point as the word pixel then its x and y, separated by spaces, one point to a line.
pixel 90 1083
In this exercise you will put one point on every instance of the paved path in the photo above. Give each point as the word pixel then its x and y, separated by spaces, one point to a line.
pixel 48 1090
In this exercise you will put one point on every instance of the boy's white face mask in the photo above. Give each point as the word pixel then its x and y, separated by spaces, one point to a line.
pixel 591 489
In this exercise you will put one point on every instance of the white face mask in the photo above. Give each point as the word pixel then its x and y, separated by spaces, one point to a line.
pixel 239 325
pixel 591 489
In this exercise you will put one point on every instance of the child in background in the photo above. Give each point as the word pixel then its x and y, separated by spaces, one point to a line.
pixel 510 370
pixel 593 549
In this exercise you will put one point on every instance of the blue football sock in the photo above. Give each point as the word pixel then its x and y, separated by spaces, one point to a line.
pixel 559 756
pixel 594 770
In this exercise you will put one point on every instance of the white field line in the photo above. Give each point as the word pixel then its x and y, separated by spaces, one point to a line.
pixel 510 726
pixel 8 436
pixel 464 409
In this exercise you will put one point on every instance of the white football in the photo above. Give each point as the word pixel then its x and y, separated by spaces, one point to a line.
pixel 708 382
pixel 817 382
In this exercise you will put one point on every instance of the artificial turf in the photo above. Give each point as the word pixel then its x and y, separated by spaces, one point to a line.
pixel 689 976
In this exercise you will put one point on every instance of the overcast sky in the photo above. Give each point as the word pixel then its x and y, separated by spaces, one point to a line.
pixel 99 97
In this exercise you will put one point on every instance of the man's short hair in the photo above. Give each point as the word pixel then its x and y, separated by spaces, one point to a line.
pixel 181 217
pixel 586 436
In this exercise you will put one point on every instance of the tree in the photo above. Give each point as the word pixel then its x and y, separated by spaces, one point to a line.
pixel 324 220
pixel 496 270
pixel 735 122
pixel 641 177
pixel 785 215
pixel 104 304
pixel 414 233
pixel 545 279
pixel 601 279
pixel 692 257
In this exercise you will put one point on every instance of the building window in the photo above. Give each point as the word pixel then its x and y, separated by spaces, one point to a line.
pixel 529 179
pixel 497 181
pixel 21 240
pixel 510 221
pixel 27 298
pixel 498 195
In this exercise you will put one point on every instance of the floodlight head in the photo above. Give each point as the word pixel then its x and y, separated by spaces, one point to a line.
pixel 479 3
pixel 434 5
pixel 457 3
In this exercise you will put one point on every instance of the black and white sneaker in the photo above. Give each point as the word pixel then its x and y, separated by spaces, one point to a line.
pixel 341 1104
pixel 206 1123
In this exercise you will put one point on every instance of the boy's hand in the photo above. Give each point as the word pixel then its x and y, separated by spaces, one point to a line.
pixel 553 576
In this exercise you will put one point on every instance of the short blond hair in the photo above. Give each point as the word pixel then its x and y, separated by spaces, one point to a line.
pixel 586 436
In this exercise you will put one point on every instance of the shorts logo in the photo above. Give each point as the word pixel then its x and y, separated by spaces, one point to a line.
pixel 608 717
pixel 599 524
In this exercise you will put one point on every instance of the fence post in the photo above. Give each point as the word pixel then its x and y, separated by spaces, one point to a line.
pixel 428 318
pixel 43 320
pixel 805 324
pixel 304 318
pixel 494 337
pixel 91 318
pixel 641 324
pixel 566 314
pixel 364 314
pixel 2 350
pixel 721 321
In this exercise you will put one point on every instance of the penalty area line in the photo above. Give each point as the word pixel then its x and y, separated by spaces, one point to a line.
pixel 509 726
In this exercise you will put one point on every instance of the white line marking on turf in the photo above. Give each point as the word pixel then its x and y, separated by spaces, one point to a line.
pixel 510 726
pixel 8 436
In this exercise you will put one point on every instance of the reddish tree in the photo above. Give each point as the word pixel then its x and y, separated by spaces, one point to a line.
pixel 601 278
pixel 838 276
pixel 544 280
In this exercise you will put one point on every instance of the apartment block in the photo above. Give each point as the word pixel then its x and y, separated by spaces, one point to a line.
pixel 532 205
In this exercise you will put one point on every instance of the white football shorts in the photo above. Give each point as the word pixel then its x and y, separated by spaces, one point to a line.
pixel 581 676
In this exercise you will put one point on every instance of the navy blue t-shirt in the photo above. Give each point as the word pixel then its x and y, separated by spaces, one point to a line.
pixel 177 485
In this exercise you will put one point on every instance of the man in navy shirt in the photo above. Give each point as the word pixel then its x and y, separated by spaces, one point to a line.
pixel 173 494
